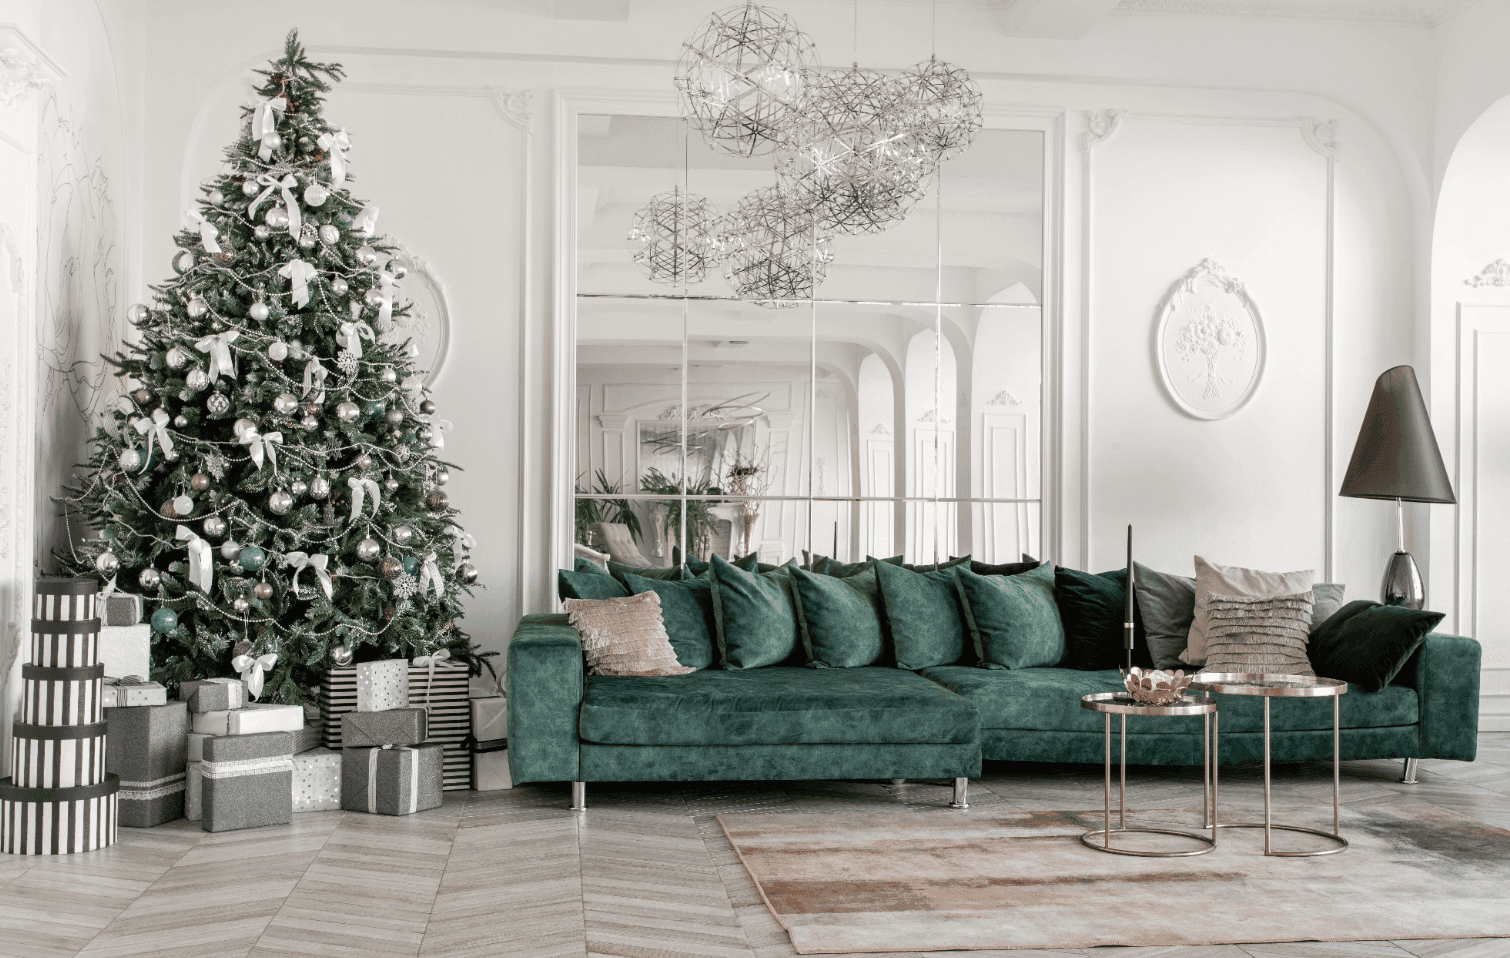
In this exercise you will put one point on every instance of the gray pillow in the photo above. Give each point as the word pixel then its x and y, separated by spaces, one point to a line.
pixel 1329 597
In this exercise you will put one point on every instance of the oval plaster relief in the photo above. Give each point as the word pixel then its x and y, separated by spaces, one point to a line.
pixel 1210 343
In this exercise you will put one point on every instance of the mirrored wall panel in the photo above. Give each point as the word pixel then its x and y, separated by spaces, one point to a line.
pixel 894 409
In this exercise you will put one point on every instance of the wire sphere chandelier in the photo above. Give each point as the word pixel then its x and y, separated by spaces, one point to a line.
pixel 741 75
pixel 944 104
pixel 673 240
pixel 854 154
pixel 773 251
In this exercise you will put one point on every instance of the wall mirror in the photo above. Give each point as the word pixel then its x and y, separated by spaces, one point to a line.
pixel 897 410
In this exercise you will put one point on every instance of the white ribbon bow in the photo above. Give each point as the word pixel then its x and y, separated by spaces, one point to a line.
pixel 299 273
pixel 207 230
pixel 258 445
pixel 372 789
pixel 336 144
pixel 288 184
pixel 438 429
pixel 201 567
pixel 251 670
pixel 314 379
pixel 264 122
pixel 156 426
pixel 463 536
pixel 366 221
pixel 429 662
pixel 385 310
pixel 351 335
pixel 300 561
pixel 429 575
pixel 218 347
pixel 359 489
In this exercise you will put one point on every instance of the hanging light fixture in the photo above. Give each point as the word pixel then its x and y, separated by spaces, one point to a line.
pixel 773 249
pixel 673 239
pixel 944 108
pixel 741 75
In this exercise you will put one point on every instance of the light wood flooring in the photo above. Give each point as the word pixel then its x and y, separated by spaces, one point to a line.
pixel 645 873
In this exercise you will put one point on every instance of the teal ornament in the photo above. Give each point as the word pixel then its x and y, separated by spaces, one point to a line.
pixel 374 409
pixel 164 620
pixel 251 558
pixel 411 565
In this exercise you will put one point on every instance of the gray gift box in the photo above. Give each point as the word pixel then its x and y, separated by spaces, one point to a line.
pixel 391 781
pixel 213 695
pixel 306 738
pixel 393 727
pixel 146 747
pixel 248 781
pixel 122 609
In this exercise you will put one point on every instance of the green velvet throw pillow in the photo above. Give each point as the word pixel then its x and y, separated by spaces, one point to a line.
pixel 937 566
pixel 687 611
pixel 1027 564
pixel 840 618
pixel 588 585
pixel 1093 609
pixel 580 564
pixel 923 615
pixel 756 615
pixel 618 570
pixel 1013 620
pixel 1367 644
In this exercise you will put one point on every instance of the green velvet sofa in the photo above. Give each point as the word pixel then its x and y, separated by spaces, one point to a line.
pixel 878 722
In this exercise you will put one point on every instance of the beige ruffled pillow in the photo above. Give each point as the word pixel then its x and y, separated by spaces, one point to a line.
pixel 1266 635
pixel 624 636
pixel 1212 579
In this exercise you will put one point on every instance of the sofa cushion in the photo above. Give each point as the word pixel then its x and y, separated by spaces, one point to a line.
pixel 757 617
pixel 924 617
pixel 1027 564
pixel 618 570
pixel 1367 644
pixel 588 585
pixel 1048 700
pixel 1093 609
pixel 775 706
pixel 687 610
pixel 1013 619
pixel 841 618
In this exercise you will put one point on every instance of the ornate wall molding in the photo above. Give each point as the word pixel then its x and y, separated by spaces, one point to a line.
pixel 419 324
pixel 1496 273
pixel 1320 135
pixel 514 107
pixel 20 75
pixel 1101 126
pixel 1210 343
pixel 1003 398
pixel 1425 14
pixel 880 430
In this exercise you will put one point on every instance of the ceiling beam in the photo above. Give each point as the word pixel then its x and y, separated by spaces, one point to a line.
pixel 1054 19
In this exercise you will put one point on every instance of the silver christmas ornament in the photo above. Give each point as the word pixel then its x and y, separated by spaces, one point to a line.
pixel 402 535
pixel 363 462
pixel 272 140
pixel 276 218
pixel 945 108
pixel 277 352
pixel 395 417
pixel 367 256
pixel 390 568
pixel 230 550
pixel 373 297
pixel 176 358
pixel 181 420
pixel 149 578
pixel 339 286
pixel 741 75
pixel 171 455
pixel 466 573
pixel 368 550
pixel 258 311
pixel 167 511
pixel 249 188
pixel 217 404
pixel 427 407
pixel 399 270
pixel 309 422
pixel 215 198
pixel 106 563
pixel 263 591
pixel 199 482
pixel 388 375
pixel 240 604
pixel 197 379
pixel 442 476
pixel 130 460
pixel 183 505
pixel 315 194
pixel 280 502
pixel 214 526
pixel 329 235
pixel 673 239
pixel 261 232
pixel 136 314
pixel 286 403
pixel 319 487
pixel 391 485
pixel 423 433
pixel 340 656
pixel 183 261
pixel 298 487
pixel 240 426
pixel 307 237
pixel 773 249
pixel 348 411
pixel 197 307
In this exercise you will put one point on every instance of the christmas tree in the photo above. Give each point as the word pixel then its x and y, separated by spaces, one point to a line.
pixel 269 481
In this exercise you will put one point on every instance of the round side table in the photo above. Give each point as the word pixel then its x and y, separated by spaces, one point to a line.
pixel 1286 687
pixel 1123 704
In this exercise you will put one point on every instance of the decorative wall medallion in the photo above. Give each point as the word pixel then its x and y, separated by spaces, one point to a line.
pixel 880 430
pixel 1003 398
pixel 428 323
pixel 19 76
pixel 932 416
pixel 1210 343
pixel 1496 273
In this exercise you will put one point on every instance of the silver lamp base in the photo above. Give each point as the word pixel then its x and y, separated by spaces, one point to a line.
pixel 1402 582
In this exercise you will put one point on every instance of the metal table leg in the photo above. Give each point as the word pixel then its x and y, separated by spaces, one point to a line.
pixel 1105 845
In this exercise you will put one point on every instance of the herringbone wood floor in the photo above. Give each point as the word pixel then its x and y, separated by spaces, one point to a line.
pixel 645 873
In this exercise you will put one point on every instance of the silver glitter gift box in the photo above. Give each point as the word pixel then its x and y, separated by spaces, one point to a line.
pixel 248 781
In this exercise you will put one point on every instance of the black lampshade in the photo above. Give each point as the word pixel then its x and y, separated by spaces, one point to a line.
pixel 1397 456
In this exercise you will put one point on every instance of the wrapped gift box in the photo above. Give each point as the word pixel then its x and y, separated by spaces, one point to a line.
pixel 257 717
pixel 65 645
pixel 126 650
pixel 490 717
pixel 307 737
pixel 193 792
pixel 58 599
pixel 121 609
pixel 391 781
pixel 57 821
pixel 248 781
pixel 393 727
pixel 490 766
pixel 317 781
pixel 57 756
pixel 132 690
pixel 61 696
pixel 147 748
pixel 213 695
pixel 448 723
pixel 382 685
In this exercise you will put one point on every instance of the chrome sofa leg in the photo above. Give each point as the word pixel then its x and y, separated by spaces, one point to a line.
pixel 960 785
pixel 579 796
pixel 899 781
pixel 1408 774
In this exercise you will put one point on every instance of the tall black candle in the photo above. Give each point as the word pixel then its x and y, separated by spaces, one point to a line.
pixel 1127 621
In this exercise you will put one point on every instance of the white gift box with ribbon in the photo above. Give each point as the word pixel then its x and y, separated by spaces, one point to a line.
pixel 382 685
pixel 257 717
pixel 126 650
pixel 449 717
pixel 317 781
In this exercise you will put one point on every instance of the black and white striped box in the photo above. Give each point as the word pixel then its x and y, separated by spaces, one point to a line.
pixel 61 696
pixel 449 721
pixel 57 821
pixel 66 600
pixel 65 645
pixel 58 756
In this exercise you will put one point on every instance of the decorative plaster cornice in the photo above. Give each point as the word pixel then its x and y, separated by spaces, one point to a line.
pixel 515 107
pixel 1101 125
pixel 1321 135
pixel 19 75
pixel 1496 273
pixel 1428 13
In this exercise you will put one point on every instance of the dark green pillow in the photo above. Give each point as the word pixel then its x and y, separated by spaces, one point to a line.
pixel 1013 620
pixel 840 618
pixel 1367 644
pixel 937 566
pixel 580 564
pixel 687 610
pixel 618 570
pixel 588 585
pixel 1027 564
pixel 823 565
pixel 1093 608
pixel 923 616
pixel 756 615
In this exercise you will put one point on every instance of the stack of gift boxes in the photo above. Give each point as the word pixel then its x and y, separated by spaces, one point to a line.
pixel 387 766
pixel 490 741
pixel 431 683
pixel 60 797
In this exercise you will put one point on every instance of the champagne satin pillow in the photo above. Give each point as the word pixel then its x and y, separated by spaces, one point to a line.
pixel 624 636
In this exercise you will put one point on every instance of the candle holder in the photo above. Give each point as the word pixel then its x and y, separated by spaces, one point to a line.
pixel 1155 686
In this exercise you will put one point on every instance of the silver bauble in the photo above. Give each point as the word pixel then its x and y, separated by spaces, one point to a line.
pixel 316 195
pixel 197 379
pixel 262 591
pixel 423 433
pixel 271 140
pixel 391 485
pixel 466 573
pixel 319 487
pixel 280 502
pixel 427 407
pixel 176 358
pixel 348 411
pixel 329 235
pixel 183 505
pixel 214 526
pixel 242 425
pixel 442 476
pixel 339 286
pixel 106 563
pixel 181 420
pixel 215 198
pixel 367 256
pixel 142 397
pixel 307 237
pixel 298 487
pixel 197 307
pixel 261 232
pixel 149 578
pixel 373 298
pixel 296 349
pixel 130 460
pixel 240 604
pixel 217 404
pixel 167 511
pixel 277 352
pixel 286 403
pixel 136 314
pixel 277 218
pixel 258 311
pixel 199 482
pixel 340 656
pixel 249 188
pixel 363 462
pixel 368 550
pixel 437 501
pixel 171 455
pixel 399 270
pixel 388 375
pixel 402 535
pixel 390 568
pixel 309 422
pixel 183 261
pixel 395 417
pixel 230 550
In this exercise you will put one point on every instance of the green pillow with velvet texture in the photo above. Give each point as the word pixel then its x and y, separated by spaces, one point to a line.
pixel 580 564
pixel 840 618
pixel 937 566
pixel 618 570
pixel 923 615
pixel 1367 644
pixel 687 611
pixel 588 585
pixel 1093 609
pixel 1027 564
pixel 757 617
pixel 1013 620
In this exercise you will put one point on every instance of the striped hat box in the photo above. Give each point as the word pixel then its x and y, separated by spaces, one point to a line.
pixel 58 756
pixel 57 821
pixel 61 696
pixel 66 600
pixel 65 645
pixel 449 721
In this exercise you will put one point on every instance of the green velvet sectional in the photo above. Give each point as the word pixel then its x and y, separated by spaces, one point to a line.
pixel 791 721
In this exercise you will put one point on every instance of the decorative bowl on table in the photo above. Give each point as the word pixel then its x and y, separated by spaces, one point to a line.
pixel 1156 686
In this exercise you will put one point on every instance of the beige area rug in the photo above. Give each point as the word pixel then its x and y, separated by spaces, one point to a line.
pixel 933 882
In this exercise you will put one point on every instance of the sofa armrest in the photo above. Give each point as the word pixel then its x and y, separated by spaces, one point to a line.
pixel 1445 674
pixel 544 683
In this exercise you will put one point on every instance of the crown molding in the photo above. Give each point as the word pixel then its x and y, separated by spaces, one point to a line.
pixel 1428 13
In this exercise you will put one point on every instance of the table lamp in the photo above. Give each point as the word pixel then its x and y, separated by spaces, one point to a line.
pixel 1396 457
